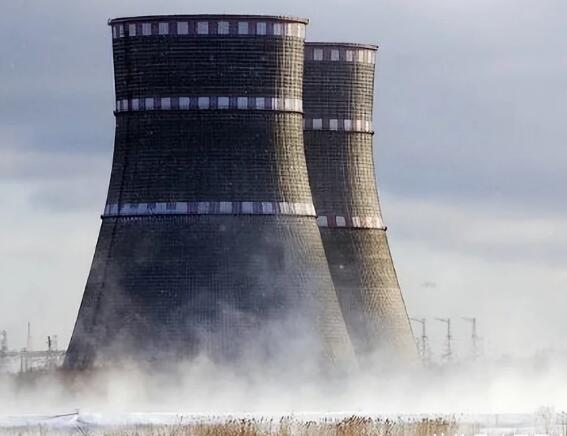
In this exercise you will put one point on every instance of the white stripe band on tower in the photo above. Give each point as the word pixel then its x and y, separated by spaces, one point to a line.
pixel 366 222
pixel 344 125
pixel 209 208
pixel 202 27
pixel 340 54
pixel 209 103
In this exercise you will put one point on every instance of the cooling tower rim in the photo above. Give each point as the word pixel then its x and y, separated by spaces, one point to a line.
pixel 280 18
pixel 341 45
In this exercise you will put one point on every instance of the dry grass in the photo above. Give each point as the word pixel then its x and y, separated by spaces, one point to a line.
pixel 353 426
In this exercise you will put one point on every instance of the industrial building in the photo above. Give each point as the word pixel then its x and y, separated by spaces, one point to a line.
pixel 338 104
pixel 209 240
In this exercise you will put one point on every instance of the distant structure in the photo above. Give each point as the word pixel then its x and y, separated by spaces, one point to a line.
pixel 447 355
pixel 29 343
pixel 475 341
pixel 423 342
pixel 338 99
pixel 3 342
pixel 209 240
pixel 27 359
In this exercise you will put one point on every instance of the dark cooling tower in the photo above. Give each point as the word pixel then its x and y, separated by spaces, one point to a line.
pixel 209 240
pixel 338 98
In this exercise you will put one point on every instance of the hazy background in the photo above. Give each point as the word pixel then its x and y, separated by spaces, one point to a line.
pixel 471 154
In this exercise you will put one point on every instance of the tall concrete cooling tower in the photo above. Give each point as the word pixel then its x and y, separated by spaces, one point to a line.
pixel 209 240
pixel 338 99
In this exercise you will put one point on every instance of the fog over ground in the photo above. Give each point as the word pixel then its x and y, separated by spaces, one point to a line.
pixel 471 102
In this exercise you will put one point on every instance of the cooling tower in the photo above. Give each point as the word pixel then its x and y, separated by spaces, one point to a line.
pixel 338 99
pixel 209 241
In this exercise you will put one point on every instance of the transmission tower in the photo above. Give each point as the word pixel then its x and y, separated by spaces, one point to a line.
pixel 29 338
pixel 3 342
pixel 447 356
pixel 422 342
pixel 475 351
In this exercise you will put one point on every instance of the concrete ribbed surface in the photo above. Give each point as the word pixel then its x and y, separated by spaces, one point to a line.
pixel 227 285
pixel 369 293
pixel 342 176
pixel 177 286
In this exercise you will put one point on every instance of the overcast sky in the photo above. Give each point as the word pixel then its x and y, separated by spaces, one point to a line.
pixel 470 115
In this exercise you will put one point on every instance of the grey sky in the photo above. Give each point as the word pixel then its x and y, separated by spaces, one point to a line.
pixel 470 151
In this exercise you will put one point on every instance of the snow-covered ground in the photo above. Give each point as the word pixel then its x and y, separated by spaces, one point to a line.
pixel 543 422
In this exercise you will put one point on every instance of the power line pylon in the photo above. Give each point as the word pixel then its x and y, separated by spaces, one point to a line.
pixel 423 342
pixel 475 351
pixel 448 354
pixel 3 342
pixel 29 338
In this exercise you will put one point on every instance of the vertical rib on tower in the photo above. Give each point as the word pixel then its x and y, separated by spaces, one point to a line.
pixel 209 241
pixel 338 100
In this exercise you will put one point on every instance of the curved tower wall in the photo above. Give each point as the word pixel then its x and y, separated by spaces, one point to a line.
pixel 338 101
pixel 209 240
